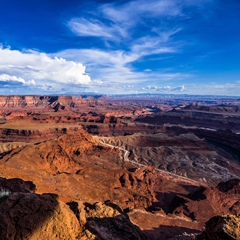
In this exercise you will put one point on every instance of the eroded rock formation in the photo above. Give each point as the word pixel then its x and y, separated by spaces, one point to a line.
pixel 26 215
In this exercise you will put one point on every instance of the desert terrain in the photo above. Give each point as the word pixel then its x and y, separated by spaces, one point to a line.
pixel 119 167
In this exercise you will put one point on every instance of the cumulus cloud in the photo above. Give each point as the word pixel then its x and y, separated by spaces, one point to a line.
pixel 7 78
pixel 39 69
pixel 116 66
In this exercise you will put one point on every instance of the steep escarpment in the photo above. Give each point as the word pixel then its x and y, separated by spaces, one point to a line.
pixel 232 186
pixel 221 139
pixel 30 135
pixel 204 202
pixel 12 106
pixel 118 128
pixel 14 102
pixel 217 120
pixel 219 108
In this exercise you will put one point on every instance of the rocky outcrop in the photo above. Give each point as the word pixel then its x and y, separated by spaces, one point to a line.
pixel 61 154
pixel 226 227
pixel 107 221
pixel 139 185
pixel 201 204
pixel 17 185
pixel 34 216
pixel 75 161
pixel 26 215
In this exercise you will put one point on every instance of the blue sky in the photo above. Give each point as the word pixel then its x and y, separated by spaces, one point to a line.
pixel 154 46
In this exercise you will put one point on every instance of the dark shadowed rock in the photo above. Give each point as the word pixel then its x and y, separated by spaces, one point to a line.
pixel 108 221
pixel 17 185
pixel 32 216
pixel 225 227
pixel 230 186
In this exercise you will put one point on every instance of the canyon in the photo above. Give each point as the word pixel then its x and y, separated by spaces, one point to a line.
pixel 118 167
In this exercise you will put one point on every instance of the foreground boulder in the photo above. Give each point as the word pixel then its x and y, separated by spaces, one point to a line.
pixel 107 221
pixel 27 215
pixel 225 227
pixel 34 216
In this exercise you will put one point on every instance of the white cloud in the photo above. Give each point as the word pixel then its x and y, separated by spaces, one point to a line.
pixel 121 22
pixel 100 57
pixel 118 62
pixel 148 46
pixel 131 12
pixel 137 29
pixel 8 78
pixel 34 68
pixel 95 28
pixel 113 69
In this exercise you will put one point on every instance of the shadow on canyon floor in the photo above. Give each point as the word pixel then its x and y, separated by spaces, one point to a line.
pixel 170 232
